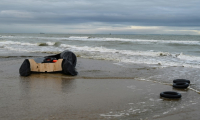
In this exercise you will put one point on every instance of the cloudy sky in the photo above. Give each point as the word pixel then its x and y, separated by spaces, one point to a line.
pixel 100 16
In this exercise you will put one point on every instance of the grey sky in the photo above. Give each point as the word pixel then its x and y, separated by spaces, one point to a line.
pixel 104 16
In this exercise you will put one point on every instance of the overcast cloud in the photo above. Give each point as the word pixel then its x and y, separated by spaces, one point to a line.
pixel 104 16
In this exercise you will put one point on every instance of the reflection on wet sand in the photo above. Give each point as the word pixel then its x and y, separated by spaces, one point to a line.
pixel 47 81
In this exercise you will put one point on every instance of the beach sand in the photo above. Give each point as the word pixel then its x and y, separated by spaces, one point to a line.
pixel 102 90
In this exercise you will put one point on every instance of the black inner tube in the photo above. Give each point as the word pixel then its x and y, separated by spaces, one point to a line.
pixel 180 85
pixel 170 94
pixel 181 80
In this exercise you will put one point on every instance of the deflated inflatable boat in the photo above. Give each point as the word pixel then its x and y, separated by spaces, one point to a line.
pixel 64 62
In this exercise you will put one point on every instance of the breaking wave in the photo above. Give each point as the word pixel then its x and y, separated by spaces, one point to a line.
pixel 49 44
pixel 109 39
pixel 87 38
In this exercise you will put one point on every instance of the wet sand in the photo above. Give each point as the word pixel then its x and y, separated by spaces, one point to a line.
pixel 102 90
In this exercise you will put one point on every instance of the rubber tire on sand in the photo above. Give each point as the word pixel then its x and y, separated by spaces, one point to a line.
pixel 180 85
pixel 181 80
pixel 170 94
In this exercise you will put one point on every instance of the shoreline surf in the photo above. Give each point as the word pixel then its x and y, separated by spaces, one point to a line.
pixel 165 50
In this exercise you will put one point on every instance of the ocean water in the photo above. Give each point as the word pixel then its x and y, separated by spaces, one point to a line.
pixel 164 50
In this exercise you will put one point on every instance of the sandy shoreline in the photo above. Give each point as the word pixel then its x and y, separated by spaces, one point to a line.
pixel 102 90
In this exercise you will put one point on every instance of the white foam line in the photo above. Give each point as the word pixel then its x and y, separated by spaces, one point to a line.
pixel 16 42
pixel 116 115
pixel 86 38
pixel 194 90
